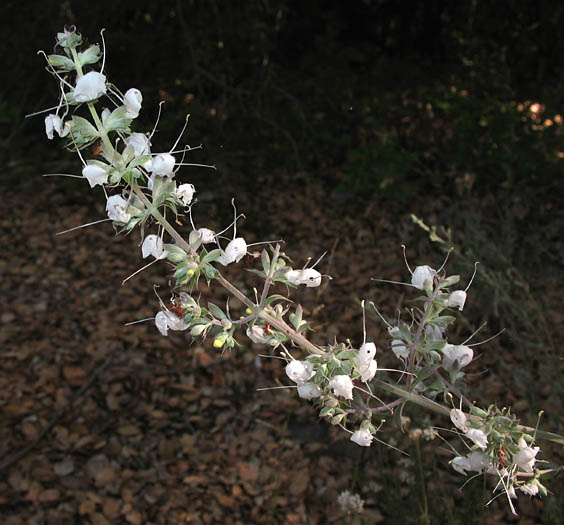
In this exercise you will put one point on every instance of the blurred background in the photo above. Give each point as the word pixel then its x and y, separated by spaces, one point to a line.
pixel 332 124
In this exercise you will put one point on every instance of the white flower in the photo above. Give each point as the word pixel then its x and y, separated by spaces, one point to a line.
pixel 478 461
pixel 423 276
pixel 457 299
pixel 309 391
pixel 206 235
pixel 140 143
pixel 235 251
pixel 532 489
pixel 399 348
pixel 153 245
pixel 477 436
pixel 54 123
pixel 116 207
pixel 525 458
pixel 362 437
pixel 162 164
pixel 366 364
pixel 459 353
pixel 342 385
pixel 350 503
pixel 256 334
pixel 459 419
pixel 433 332
pixel 132 101
pixel 161 322
pixel 368 371
pixel 90 87
pixel 461 464
pixel 166 320
pixel 185 192
pixel 300 371
pixel 366 353
pixel 309 277
pixel 95 174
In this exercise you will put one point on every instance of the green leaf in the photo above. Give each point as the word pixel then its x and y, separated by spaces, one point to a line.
pixel 216 311
pixel 90 56
pixel 276 297
pixel 444 320
pixel 116 120
pixel 265 262
pixel 296 318
pixel 175 253
pixel 212 256
pixel 326 411
pixel 449 281
pixel 61 63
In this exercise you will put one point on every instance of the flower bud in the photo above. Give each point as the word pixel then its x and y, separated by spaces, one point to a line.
pixel 132 101
pixel 219 340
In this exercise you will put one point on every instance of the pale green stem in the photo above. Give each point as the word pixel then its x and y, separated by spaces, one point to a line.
pixel 99 126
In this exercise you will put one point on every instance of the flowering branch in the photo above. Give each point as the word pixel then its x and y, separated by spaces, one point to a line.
pixel 338 378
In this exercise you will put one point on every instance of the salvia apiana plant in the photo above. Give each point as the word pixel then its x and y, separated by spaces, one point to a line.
pixel 142 189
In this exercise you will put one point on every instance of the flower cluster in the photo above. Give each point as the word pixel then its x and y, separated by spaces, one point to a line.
pixel 143 187
pixel 500 447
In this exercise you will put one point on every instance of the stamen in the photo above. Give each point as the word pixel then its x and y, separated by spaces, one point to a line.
pixel 103 50
pixel 363 322
pixel 380 315
pixel 473 275
pixel 140 321
pixel 43 111
pixel 392 282
pixel 405 259
pixel 212 166
pixel 139 271
pixel 62 175
pixel 264 242
pixel 318 260
pixel 158 118
pixel 186 149
pixel 446 259
pixel 181 133
pixel 83 226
